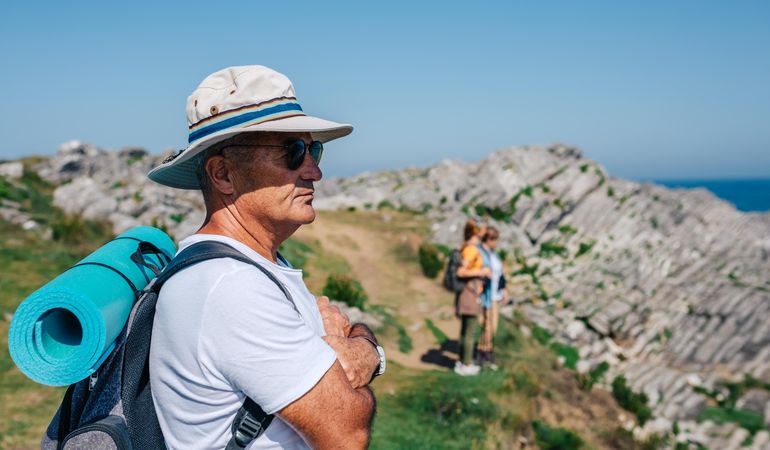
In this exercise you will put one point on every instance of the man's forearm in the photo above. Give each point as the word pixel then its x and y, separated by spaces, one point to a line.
pixel 369 403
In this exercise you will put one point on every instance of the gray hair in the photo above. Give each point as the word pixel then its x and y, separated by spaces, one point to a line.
pixel 242 156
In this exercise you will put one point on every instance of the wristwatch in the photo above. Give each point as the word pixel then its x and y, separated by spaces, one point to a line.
pixel 380 353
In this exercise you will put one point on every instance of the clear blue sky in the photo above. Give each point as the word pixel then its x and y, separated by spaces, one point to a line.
pixel 665 89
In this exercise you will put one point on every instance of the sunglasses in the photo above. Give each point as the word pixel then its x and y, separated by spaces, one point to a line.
pixel 295 151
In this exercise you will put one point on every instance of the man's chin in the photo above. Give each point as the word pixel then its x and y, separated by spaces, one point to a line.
pixel 306 216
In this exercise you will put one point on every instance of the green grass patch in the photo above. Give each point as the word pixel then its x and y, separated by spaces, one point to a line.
pixel 570 354
pixel 438 410
pixel 392 324
pixel 750 420
pixel 540 334
pixel 567 230
pixel 439 335
pixel 296 252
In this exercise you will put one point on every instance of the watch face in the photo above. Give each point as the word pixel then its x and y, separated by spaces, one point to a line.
pixel 383 361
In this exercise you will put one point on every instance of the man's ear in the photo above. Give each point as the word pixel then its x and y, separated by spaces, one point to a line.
pixel 221 175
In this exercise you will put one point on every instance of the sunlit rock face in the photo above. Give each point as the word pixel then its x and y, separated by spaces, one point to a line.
pixel 667 283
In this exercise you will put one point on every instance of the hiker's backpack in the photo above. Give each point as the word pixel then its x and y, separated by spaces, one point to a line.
pixel 113 408
pixel 452 282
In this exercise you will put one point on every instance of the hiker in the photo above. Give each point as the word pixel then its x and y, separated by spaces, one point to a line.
pixel 223 330
pixel 467 301
pixel 491 298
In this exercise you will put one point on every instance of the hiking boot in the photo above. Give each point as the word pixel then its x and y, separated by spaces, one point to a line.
pixel 466 370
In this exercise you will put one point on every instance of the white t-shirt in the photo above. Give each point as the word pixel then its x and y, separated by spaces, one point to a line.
pixel 222 331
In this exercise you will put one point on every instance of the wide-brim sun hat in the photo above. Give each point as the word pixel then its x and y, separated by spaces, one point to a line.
pixel 238 100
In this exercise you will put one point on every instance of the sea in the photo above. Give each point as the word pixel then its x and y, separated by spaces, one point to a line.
pixel 750 195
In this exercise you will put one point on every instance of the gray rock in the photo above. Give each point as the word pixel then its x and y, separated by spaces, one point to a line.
pixel 12 170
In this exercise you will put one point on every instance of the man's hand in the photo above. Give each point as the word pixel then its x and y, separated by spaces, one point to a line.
pixel 358 358
pixel 335 323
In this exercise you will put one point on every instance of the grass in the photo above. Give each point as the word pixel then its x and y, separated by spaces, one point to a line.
pixel 438 410
pixel 391 324
pixel 750 420
pixel 570 354
pixel 440 336
pixel 725 409
pixel 296 252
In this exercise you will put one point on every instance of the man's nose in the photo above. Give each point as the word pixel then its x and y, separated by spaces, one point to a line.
pixel 309 169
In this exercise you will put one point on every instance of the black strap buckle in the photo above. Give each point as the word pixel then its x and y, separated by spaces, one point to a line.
pixel 247 429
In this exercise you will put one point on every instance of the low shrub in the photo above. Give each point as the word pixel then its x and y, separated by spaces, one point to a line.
pixel 555 438
pixel 550 248
pixel 593 376
pixel 73 229
pixel 430 260
pixel 630 400
pixel 11 192
pixel 585 247
pixel 346 289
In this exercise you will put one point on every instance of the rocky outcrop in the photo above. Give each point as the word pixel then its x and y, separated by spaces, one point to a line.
pixel 669 286
pixel 113 185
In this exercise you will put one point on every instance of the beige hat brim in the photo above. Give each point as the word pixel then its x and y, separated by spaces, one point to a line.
pixel 180 172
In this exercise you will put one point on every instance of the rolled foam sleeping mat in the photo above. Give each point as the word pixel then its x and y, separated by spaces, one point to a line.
pixel 62 332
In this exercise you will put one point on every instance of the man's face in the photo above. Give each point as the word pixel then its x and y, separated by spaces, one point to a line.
pixel 267 190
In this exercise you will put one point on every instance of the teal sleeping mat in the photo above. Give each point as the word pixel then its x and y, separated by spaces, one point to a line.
pixel 62 332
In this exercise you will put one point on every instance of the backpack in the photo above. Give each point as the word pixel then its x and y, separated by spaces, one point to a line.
pixel 113 408
pixel 452 282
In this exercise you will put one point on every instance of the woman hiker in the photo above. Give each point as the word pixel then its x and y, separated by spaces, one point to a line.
pixel 467 301
pixel 491 298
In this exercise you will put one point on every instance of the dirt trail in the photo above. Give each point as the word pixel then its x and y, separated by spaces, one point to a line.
pixel 375 256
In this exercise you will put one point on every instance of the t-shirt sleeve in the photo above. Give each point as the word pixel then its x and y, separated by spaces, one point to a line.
pixel 471 256
pixel 258 342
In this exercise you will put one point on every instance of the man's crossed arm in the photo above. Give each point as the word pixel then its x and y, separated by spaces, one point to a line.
pixel 337 412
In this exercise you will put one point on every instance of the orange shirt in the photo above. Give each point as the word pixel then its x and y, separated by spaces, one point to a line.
pixel 472 257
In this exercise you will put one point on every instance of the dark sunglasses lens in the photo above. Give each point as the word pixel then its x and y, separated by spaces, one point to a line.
pixel 316 151
pixel 295 153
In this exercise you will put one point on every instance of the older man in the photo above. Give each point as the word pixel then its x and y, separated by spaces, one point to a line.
pixel 223 330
